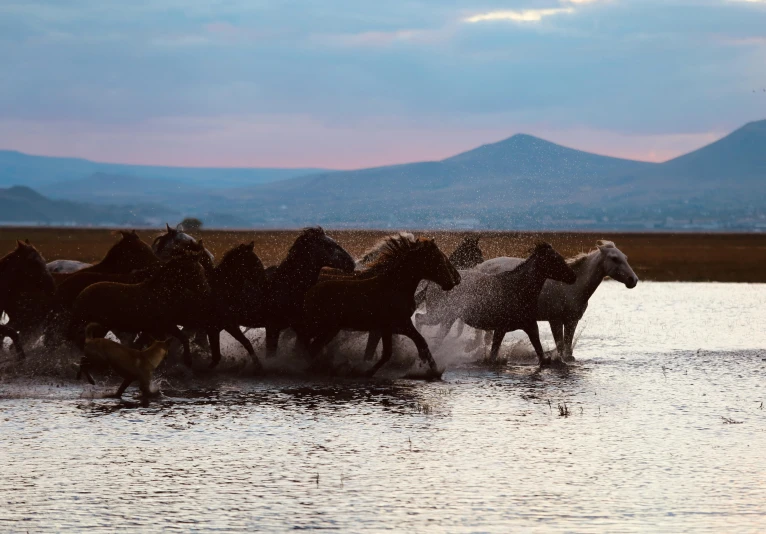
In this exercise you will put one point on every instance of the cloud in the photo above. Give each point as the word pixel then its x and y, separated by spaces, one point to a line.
pixel 524 15
pixel 635 68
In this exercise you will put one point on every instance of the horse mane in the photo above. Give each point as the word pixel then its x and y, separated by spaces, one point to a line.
pixel 392 249
pixel 579 259
pixel 372 254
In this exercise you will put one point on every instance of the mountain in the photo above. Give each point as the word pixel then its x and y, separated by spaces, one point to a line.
pixel 522 182
pixel 497 183
pixel 36 171
pixel 22 205
pixel 103 188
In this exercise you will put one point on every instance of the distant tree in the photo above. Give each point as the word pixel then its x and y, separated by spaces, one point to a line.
pixel 191 224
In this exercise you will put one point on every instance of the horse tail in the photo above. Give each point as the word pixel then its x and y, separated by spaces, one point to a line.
pixel 420 296
pixel 89 330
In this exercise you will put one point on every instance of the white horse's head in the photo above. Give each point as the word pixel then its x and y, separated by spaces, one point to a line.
pixel 616 264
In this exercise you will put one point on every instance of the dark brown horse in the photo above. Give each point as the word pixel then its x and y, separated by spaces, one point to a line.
pixel 234 282
pixel 382 302
pixel 172 241
pixel 155 306
pixel 26 290
pixel 467 255
pixel 128 254
pixel 287 284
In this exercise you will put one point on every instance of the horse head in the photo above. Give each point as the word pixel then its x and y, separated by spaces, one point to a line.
pixel 244 262
pixel 615 264
pixel 25 269
pixel 468 254
pixel 552 264
pixel 128 254
pixel 439 268
pixel 174 240
pixel 315 246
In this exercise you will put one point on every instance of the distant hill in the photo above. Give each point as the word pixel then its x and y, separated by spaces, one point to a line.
pixel 22 205
pixel 522 182
pixel 37 171
pixel 103 188
pixel 527 182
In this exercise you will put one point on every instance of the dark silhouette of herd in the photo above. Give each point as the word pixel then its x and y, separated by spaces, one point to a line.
pixel 144 293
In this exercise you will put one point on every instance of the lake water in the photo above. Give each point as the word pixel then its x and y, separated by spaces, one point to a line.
pixel 666 433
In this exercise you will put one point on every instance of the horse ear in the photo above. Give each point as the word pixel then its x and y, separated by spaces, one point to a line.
pixel 26 241
pixel 251 246
pixel 123 233
pixel 134 233
pixel 179 227
pixel 602 245
pixel 167 226
pixel 200 245
pixel 20 243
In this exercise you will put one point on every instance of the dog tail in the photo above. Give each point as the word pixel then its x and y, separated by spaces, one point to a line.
pixel 90 329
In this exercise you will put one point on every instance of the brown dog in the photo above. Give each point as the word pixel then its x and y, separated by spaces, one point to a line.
pixel 131 364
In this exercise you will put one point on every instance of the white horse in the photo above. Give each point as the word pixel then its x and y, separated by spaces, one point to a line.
pixel 564 305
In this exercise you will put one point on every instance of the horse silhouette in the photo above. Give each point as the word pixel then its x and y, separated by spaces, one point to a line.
pixel 381 298
pixel 287 284
pixel 564 305
pixel 155 306
pixel 26 290
pixel 128 254
pixel 174 240
pixel 501 302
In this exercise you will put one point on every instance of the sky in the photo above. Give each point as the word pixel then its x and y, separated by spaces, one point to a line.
pixel 351 83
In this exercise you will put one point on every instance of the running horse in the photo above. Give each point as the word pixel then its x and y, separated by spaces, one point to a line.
pixel 174 240
pixel 128 254
pixel 287 284
pixel 501 302
pixel 155 306
pixel 380 299
pixel 26 291
pixel 564 305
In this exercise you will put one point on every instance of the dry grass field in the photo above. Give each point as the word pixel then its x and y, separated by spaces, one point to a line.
pixel 654 256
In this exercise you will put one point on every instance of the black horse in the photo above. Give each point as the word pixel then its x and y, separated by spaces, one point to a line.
pixel 237 283
pixel 501 302
pixel 467 255
pixel 27 290
pixel 287 284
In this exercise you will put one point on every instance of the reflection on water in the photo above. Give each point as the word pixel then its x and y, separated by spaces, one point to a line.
pixel 665 432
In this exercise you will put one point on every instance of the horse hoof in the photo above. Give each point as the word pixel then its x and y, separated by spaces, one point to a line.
pixel 212 365
pixel 569 359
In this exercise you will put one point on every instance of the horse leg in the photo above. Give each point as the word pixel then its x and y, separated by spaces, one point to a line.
pixel 272 341
pixel 184 339
pixel 569 332
pixel 534 336
pixel 557 328
pixel 386 335
pixel 497 340
pixel 123 387
pixel 315 348
pixel 214 338
pixel 372 345
pixel 409 330
pixel 237 334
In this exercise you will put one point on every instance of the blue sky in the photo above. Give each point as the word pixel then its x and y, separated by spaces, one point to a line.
pixel 350 83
